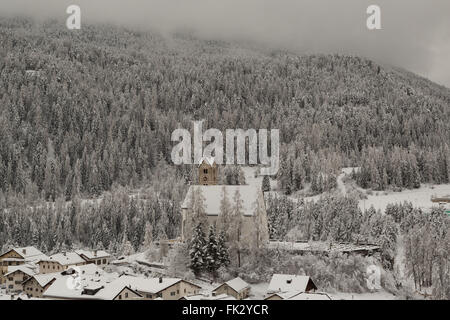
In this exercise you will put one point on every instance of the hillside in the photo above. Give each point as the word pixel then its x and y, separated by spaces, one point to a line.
pixel 101 106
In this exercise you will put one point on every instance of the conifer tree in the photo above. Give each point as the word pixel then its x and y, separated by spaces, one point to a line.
pixel 212 262
pixel 197 250
pixel 222 250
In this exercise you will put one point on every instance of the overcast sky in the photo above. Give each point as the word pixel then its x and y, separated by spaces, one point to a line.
pixel 415 34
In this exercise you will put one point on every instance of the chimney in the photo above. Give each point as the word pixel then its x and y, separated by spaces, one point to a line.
pixel 24 251
pixel 95 253
pixel 160 279
pixel 64 254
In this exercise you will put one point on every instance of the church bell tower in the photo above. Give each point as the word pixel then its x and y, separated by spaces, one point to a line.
pixel 207 172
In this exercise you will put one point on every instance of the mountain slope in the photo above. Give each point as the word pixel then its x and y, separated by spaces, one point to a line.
pixel 102 105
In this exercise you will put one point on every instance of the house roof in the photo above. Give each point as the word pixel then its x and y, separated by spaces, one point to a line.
pixel 66 259
pixel 213 196
pixel 310 296
pixel 297 295
pixel 93 254
pixel 89 276
pixel 288 283
pixel 149 285
pixel 44 278
pixel 27 253
pixel 223 296
pixel 23 268
pixel 237 284
pixel 112 290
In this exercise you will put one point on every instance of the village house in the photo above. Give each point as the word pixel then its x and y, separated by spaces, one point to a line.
pixel 213 194
pixel 16 275
pixel 99 257
pixel 290 283
pixel 236 288
pixel 36 285
pixel 298 296
pixel 165 288
pixel 85 282
pixel 60 262
pixel 18 256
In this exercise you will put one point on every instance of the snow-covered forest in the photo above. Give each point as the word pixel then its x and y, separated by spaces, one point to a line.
pixel 101 105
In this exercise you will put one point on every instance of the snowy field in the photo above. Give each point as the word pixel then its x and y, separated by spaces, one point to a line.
pixel 420 198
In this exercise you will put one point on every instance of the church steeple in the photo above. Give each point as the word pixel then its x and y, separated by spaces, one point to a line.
pixel 207 171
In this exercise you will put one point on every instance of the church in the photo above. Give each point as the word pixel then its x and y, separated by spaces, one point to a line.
pixel 212 193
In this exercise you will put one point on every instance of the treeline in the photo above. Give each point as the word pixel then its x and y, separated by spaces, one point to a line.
pixel 120 221
pixel 101 105
pixel 403 168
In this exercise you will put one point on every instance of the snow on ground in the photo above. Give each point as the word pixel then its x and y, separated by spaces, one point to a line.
pixel 420 198
pixel 250 179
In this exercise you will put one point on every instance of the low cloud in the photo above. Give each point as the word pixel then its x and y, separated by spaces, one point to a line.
pixel 415 34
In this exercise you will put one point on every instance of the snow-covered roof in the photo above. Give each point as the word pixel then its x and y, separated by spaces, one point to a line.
pixel 213 196
pixel 288 283
pixel 87 269
pixel 310 296
pixel 237 284
pixel 44 278
pixel 148 285
pixel 298 295
pixel 93 254
pixel 90 276
pixel 196 297
pixel 27 253
pixel 66 258
pixel 25 269
pixel 111 290
pixel 223 296
pixel 209 160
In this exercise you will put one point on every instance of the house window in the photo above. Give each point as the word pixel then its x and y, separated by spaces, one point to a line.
pixel 205 171
pixel 205 178
pixel 178 291
pixel 104 261
pixel 126 294
pixel 120 297
pixel 172 293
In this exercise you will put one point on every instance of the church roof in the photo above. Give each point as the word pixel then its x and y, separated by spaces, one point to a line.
pixel 209 160
pixel 213 195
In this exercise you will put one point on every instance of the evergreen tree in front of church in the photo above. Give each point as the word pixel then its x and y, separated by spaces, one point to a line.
pixel 197 250
pixel 222 250
pixel 212 262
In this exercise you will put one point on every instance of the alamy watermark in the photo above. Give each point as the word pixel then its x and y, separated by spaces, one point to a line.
pixel 255 142
pixel 73 22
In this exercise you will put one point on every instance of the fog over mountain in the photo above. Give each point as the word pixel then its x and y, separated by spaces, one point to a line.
pixel 415 33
